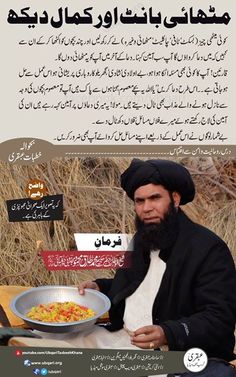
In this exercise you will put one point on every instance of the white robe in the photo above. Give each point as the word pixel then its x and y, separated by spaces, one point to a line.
pixel 141 302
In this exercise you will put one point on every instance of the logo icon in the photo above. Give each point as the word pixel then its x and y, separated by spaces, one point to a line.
pixel 27 363
pixel 18 352
pixel 44 371
pixel 195 360
pixel 36 371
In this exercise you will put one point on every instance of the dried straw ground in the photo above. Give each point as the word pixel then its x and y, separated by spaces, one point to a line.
pixel 94 202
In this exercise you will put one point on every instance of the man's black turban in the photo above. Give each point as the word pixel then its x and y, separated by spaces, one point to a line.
pixel 173 176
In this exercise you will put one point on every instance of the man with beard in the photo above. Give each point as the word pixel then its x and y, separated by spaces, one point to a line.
pixel 180 291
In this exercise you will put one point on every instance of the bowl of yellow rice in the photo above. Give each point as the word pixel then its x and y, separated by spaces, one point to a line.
pixel 60 309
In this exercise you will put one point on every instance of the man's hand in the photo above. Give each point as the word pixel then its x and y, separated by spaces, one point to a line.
pixel 88 284
pixel 149 337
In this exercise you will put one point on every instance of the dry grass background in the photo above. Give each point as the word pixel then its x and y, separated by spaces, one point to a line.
pixel 94 202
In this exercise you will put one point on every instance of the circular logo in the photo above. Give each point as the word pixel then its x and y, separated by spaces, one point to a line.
pixel 44 372
pixel 195 360
pixel 18 352
pixel 36 371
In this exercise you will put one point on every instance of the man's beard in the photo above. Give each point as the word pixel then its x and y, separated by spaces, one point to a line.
pixel 158 236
